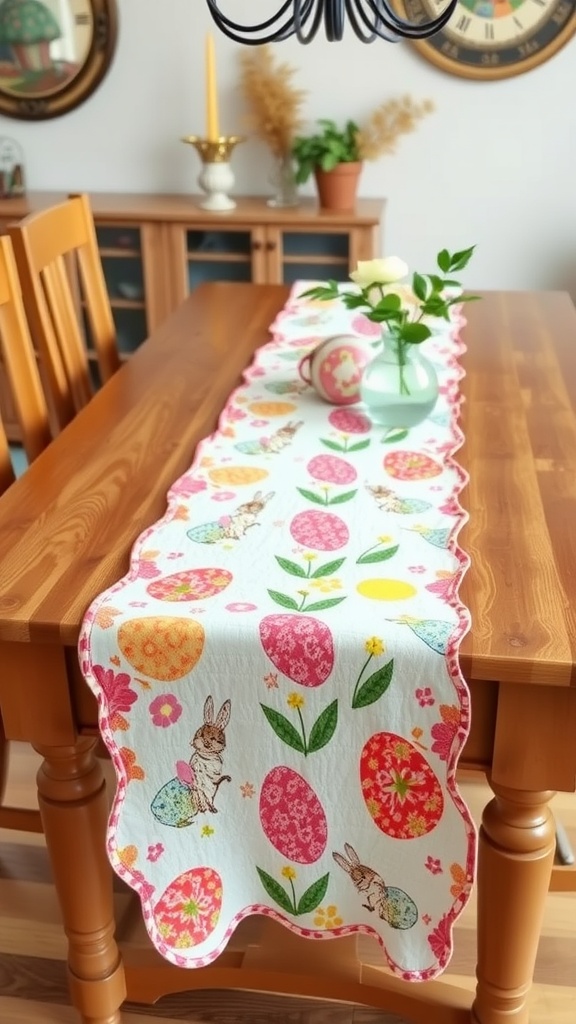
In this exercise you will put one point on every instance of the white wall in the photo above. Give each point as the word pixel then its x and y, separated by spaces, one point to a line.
pixel 495 164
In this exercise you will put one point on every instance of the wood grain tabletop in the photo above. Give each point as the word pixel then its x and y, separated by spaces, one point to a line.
pixel 67 526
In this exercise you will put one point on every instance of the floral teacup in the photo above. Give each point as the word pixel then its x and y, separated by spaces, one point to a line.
pixel 334 368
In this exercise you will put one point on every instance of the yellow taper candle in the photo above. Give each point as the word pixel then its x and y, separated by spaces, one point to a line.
pixel 212 127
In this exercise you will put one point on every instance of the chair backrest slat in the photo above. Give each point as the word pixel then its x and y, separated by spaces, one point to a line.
pixel 44 243
pixel 21 370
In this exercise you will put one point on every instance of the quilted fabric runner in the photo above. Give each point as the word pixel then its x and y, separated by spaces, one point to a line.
pixel 277 675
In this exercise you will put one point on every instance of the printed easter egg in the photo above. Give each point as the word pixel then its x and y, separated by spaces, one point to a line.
pixel 292 816
pixel 299 646
pixel 350 421
pixel 401 792
pixel 175 804
pixel 322 531
pixel 386 590
pixel 411 466
pixel 269 409
pixel 190 585
pixel 189 908
pixel 161 647
pixel 331 469
pixel 236 476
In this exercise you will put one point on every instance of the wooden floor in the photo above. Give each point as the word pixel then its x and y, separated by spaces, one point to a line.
pixel 32 947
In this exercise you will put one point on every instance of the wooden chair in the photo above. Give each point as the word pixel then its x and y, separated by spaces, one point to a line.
pixel 24 380
pixel 59 266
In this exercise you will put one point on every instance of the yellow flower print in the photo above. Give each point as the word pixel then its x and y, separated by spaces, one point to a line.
pixel 325 586
pixel 288 872
pixel 207 831
pixel 309 556
pixel 385 538
pixel 295 701
pixel 327 917
pixel 375 646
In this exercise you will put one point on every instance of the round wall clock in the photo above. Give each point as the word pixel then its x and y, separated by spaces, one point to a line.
pixel 495 38
pixel 53 54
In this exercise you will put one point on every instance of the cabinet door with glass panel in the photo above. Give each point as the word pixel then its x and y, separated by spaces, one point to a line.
pixel 215 252
pixel 295 254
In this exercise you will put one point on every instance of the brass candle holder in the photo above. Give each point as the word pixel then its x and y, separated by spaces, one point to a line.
pixel 216 177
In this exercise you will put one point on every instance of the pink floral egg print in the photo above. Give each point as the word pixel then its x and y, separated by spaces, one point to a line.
pixel 299 646
pixel 367 328
pixel 350 421
pixel 190 585
pixel 401 792
pixel 189 908
pixel 292 816
pixel 331 469
pixel 411 466
pixel 322 531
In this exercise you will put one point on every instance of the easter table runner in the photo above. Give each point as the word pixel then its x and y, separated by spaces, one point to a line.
pixel 277 674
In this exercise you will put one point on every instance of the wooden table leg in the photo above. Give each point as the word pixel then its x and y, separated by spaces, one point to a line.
pixel 74 811
pixel 516 853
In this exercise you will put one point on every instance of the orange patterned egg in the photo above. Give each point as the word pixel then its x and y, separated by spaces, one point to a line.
pixel 162 647
pixel 189 908
pixel 190 585
pixel 401 792
pixel 269 409
pixel 292 816
pixel 237 476
pixel 300 646
pixel 411 466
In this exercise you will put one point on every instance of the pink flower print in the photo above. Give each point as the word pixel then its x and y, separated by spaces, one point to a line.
pixel 188 485
pixel 155 851
pixel 258 423
pixel 223 495
pixel 247 790
pixel 271 681
pixel 436 487
pixel 233 413
pixel 138 604
pixel 257 371
pixel 417 568
pixel 165 710
pixel 148 570
pixel 425 697
pixel 440 940
pixel 426 918
pixel 433 865
pixel 116 690
pixel 367 328
pixel 241 606
pixel 443 732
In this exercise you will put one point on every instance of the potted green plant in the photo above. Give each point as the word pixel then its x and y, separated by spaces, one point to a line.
pixel 332 155
pixel 335 154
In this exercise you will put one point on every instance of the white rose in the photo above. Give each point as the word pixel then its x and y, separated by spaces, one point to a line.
pixel 384 271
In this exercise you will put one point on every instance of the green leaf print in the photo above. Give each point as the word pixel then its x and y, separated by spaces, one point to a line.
pixel 324 728
pixel 339 499
pixel 291 567
pixel 377 556
pixel 359 446
pixel 284 729
pixel 313 896
pixel 394 435
pixel 316 498
pixel 373 687
pixel 319 606
pixel 328 569
pixel 284 599
pixel 275 891
pixel 333 445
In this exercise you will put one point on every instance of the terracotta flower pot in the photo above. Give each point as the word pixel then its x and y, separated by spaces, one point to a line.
pixel 337 188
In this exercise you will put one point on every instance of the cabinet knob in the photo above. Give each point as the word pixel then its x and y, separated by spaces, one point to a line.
pixel 256 246
pixel 270 246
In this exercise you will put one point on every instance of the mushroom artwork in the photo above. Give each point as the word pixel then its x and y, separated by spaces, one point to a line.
pixel 28 27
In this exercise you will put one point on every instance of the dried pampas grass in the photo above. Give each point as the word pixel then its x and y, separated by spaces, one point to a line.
pixel 389 121
pixel 275 105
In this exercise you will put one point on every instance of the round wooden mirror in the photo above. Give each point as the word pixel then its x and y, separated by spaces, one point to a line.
pixel 53 54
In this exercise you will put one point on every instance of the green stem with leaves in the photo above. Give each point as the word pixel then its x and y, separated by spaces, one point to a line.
pixel 304 740
pixel 359 680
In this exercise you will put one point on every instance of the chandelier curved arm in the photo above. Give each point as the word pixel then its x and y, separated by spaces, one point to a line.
pixel 384 12
pixel 370 19
pixel 374 33
pixel 242 33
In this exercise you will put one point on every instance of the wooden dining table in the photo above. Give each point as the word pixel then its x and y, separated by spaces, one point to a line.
pixel 66 530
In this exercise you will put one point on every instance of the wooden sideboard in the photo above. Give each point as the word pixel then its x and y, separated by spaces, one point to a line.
pixel 156 248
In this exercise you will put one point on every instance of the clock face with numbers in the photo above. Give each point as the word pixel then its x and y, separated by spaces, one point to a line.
pixel 494 38
pixel 53 53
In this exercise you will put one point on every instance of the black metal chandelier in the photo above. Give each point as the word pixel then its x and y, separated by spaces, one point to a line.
pixel 370 20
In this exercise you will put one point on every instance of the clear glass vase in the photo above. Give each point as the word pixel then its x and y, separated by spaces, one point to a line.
pixel 283 182
pixel 399 387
